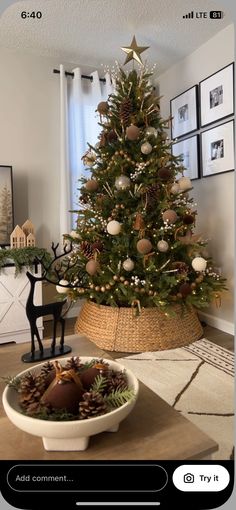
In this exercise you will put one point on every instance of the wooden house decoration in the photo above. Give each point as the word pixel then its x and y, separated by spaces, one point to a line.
pixel 17 238
pixel 23 236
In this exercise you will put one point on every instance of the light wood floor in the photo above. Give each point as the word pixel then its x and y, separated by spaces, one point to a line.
pixel 214 335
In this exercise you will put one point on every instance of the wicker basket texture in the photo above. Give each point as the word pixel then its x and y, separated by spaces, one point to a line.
pixel 121 330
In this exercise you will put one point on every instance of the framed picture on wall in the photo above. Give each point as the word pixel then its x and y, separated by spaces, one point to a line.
pixel 217 95
pixel 217 149
pixel 188 150
pixel 6 205
pixel 183 110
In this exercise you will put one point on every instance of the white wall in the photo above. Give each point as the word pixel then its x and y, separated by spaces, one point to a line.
pixel 214 195
pixel 29 138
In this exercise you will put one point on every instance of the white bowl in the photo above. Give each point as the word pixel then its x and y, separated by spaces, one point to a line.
pixel 68 435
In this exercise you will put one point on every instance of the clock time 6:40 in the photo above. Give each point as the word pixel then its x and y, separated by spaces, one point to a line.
pixel 32 14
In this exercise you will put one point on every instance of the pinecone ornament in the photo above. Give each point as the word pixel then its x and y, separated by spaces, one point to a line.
pixel 73 363
pixel 116 381
pixel 46 368
pixel 125 111
pixel 92 405
pixel 31 389
pixel 152 194
pixel 86 249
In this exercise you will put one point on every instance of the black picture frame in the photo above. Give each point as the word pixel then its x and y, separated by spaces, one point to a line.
pixel 6 205
pixel 184 113
pixel 217 149
pixel 216 96
pixel 192 165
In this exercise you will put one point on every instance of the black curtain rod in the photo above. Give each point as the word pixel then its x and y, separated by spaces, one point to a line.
pixel 85 76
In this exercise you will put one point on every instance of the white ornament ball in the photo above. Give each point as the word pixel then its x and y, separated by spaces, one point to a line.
pixel 146 148
pixel 184 183
pixel 128 264
pixel 114 227
pixel 62 290
pixel 150 131
pixel 162 246
pixel 74 234
pixel 199 264
pixel 175 189
pixel 122 182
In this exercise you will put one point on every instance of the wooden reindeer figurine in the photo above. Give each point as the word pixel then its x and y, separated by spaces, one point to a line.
pixel 33 312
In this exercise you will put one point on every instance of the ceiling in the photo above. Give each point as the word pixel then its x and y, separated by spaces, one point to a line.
pixel 91 32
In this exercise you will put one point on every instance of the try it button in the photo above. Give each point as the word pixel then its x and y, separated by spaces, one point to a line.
pixel 201 478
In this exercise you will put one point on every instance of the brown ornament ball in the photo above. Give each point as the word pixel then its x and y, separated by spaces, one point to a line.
pixel 169 215
pixel 65 396
pixel 144 246
pixel 185 289
pixel 102 107
pixel 92 267
pixel 193 285
pixel 91 185
pixel 132 132
pixel 165 174
pixel 188 219
pixel 88 377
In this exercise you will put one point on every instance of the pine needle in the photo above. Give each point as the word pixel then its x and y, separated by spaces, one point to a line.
pixel 99 384
pixel 119 397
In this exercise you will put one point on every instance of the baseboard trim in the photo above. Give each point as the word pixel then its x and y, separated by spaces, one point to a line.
pixel 217 322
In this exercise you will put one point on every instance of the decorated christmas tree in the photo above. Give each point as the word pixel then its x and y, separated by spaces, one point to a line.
pixel 134 243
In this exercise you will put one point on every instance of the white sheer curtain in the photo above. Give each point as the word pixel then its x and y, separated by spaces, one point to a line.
pixel 79 125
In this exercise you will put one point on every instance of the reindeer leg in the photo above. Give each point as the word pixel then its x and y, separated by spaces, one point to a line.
pixel 62 321
pixel 54 334
pixel 32 339
pixel 39 339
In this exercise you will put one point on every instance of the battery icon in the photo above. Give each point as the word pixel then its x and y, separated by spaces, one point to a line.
pixel 216 14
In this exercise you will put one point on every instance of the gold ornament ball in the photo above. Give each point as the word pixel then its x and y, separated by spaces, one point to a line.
pixel 162 246
pixel 193 285
pixel 122 279
pixel 102 107
pixel 146 148
pixel 114 227
pixel 122 182
pixel 184 183
pixel 97 288
pixel 111 283
pixel 150 292
pixel 103 289
pixel 144 246
pixel 132 132
pixel 128 264
pixel 116 278
pixel 91 185
pixel 108 286
pixel 170 216
pixel 150 131
pixel 126 283
pixel 92 267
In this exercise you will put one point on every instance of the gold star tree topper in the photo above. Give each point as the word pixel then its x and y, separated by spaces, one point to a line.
pixel 134 51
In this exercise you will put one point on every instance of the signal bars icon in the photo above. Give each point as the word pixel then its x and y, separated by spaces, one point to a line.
pixel 189 15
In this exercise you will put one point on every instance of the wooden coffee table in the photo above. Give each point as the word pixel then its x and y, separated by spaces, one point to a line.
pixel 152 431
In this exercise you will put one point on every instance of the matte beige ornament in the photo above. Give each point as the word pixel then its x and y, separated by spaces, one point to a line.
pixel 175 188
pixel 128 264
pixel 114 227
pixel 91 185
pixel 150 131
pixel 169 215
pixel 132 132
pixel 162 246
pixel 122 182
pixel 199 264
pixel 146 148
pixel 144 246
pixel 64 289
pixel 184 183
pixel 92 267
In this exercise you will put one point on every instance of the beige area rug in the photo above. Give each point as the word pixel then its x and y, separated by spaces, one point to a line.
pixel 198 381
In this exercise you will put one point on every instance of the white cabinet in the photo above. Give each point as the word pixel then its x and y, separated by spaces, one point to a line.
pixel 14 291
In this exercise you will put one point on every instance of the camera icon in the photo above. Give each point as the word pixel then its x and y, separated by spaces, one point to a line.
pixel 188 478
